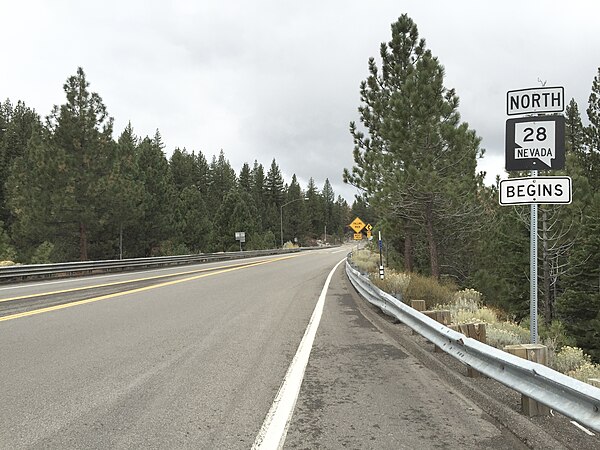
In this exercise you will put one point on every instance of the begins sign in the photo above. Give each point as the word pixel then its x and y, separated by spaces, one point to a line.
pixel 535 190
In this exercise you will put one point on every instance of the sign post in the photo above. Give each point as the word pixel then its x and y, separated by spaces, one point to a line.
pixel 380 257
pixel 535 143
pixel 240 236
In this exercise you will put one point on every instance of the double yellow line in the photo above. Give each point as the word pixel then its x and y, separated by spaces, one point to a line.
pixel 208 272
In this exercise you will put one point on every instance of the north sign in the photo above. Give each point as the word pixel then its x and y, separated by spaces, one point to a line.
pixel 536 190
pixel 535 101
pixel 535 143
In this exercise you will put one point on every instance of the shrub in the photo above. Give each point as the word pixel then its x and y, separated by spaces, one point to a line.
pixel 428 289
pixel 394 283
pixel 43 253
pixel 365 261
pixel 585 371
pixel 569 359
pixel 500 334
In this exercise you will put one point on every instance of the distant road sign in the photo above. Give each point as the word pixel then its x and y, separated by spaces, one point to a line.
pixel 536 190
pixel 535 100
pixel 535 143
pixel 369 227
pixel 358 236
pixel 357 225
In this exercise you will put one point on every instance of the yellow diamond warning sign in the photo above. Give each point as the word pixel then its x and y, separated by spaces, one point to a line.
pixel 369 227
pixel 357 225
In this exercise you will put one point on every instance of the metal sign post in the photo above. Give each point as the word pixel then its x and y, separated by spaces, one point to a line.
pixel 533 270
pixel 535 143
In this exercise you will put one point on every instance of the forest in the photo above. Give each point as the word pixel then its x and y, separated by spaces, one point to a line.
pixel 415 163
pixel 69 191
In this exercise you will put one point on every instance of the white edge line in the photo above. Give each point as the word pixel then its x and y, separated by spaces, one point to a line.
pixel 582 428
pixel 274 429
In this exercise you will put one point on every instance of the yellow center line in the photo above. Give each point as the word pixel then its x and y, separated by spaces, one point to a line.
pixel 117 283
pixel 134 291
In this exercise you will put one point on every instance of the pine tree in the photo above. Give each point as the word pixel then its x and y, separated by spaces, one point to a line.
pixel 222 179
pixel 245 179
pixel 157 223
pixel 16 127
pixel 417 164
pixel 274 186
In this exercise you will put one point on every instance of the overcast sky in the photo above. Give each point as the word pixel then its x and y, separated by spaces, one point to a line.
pixel 280 79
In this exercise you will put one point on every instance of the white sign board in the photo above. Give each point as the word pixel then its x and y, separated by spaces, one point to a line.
pixel 240 236
pixel 536 190
pixel 535 100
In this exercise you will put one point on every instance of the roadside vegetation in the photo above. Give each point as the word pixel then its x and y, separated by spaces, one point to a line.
pixel 468 306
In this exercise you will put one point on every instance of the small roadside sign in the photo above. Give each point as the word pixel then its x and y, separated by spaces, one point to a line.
pixel 358 236
pixel 535 143
pixel 369 235
pixel 536 190
pixel 240 236
pixel 369 227
pixel 535 100
pixel 357 225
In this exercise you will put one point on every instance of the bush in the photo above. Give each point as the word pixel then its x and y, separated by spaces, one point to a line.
pixel 394 283
pixel 569 359
pixel 500 334
pixel 43 253
pixel 365 261
pixel 428 289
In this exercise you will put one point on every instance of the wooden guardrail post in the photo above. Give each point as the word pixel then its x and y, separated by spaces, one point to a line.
pixel 419 305
pixel 442 316
pixel 476 331
pixel 537 353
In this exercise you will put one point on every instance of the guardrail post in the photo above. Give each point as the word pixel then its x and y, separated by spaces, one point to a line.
pixel 442 316
pixel 476 331
pixel 537 353
pixel 419 305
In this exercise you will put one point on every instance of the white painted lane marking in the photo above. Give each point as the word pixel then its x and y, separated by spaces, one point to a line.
pixel 582 428
pixel 274 429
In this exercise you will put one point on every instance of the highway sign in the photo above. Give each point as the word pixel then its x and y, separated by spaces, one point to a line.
pixel 357 225
pixel 369 234
pixel 535 143
pixel 535 100
pixel 240 236
pixel 536 190
pixel 369 227
pixel 358 236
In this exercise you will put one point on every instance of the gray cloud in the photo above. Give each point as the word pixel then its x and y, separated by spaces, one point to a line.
pixel 271 79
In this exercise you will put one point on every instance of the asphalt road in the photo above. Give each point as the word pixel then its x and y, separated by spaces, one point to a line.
pixel 196 360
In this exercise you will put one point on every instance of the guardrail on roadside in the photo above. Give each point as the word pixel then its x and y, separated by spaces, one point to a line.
pixel 570 397
pixel 72 269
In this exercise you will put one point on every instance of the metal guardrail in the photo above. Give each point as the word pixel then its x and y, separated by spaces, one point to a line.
pixel 71 269
pixel 570 397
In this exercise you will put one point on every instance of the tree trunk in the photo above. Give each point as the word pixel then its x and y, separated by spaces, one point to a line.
pixel 546 270
pixel 408 250
pixel 433 249
pixel 83 253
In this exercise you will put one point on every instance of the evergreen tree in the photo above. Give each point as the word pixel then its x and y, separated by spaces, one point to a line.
pixel 237 213
pixel 328 197
pixel 245 179
pixel 274 185
pixel 294 213
pixel 259 194
pixel 16 127
pixel 156 225
pixel 314 207
pixel 183 169
pixel 192 220
pixel 65 165
pixel 417 164
pixel 221 180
